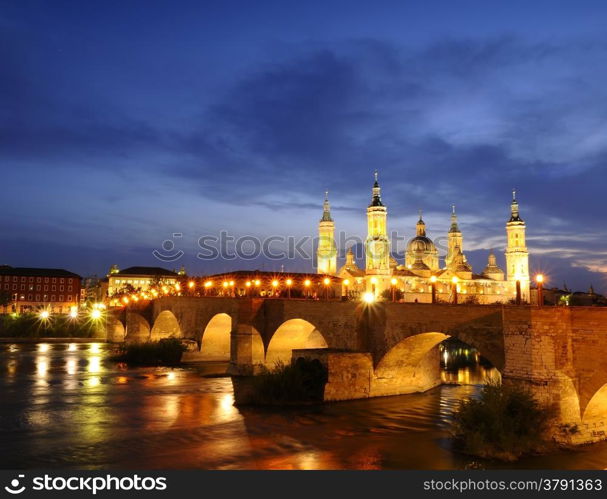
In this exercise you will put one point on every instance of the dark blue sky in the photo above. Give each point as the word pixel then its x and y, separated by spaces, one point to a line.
pixel 122 123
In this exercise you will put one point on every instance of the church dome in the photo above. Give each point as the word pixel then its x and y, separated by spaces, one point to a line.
pixel 421 244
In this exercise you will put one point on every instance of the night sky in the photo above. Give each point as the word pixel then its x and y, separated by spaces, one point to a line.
pixel 124 122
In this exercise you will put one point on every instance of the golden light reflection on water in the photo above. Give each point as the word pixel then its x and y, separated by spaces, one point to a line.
pixel 476 375
pixel 41 367
pixel 94 364
pixel 72 347
pixel 43 347
pixel 71 366
pixel 95 348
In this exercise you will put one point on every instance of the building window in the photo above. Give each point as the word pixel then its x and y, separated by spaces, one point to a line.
pixel 60 297
pixel 38 287
pixel 45 288
pixel 69 288
pixel 60 288
pixel 14 287
pixel 23 287
pixel 37 297
pixel 53 298
pixel 69 297
pixel 38 279
pixel 29 297
pixel 31 279
pixel 46 279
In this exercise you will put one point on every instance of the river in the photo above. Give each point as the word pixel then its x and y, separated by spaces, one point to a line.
pixel 68 406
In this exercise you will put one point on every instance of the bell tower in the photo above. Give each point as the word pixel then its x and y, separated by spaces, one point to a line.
pixel 377 247
pixel 454 239
pixel 326 254
pixel 517 255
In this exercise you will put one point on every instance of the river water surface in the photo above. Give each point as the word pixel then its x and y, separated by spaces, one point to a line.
pixel 68 406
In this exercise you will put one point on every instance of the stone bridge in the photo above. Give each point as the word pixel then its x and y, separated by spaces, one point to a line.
pixel 379 349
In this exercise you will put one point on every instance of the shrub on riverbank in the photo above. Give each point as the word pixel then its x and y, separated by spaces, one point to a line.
pixel 167 351
pixel 31 326
pixel 504 423
pixel 301 382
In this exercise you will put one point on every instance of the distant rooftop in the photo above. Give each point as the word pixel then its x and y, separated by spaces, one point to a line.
pixel 35 272
pixel 155 271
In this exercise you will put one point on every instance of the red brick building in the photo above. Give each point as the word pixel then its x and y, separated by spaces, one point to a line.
pixel 31 289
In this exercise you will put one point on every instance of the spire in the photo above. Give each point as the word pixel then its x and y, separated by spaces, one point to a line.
pixel 376 199
pixel 454 226
pixel 350 257
pixel 514 212
pixel 326 209
pixel 420 228
pixel 492 261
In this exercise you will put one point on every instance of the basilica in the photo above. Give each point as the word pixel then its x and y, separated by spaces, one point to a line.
pixel 424 276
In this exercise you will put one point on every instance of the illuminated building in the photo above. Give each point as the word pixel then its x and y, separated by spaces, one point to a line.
pixel 421 270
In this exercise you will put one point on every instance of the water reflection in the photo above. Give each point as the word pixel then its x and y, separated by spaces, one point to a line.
pixel 123 417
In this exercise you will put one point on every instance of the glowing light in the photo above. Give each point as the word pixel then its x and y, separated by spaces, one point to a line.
pixel 257 282
pixel 231 283
pixel 433 278
pixel 191 284
pixel 539 278
pixel 346 282
pixel 248 284
pixel 307 283
pixel 208 284
pixel 373 280
pixel 74 312
pixel 95 348
pixel 72 347
pixel 165 290
pixel 275 283
pixel 125 300
pixel 454 280
pixel 177 287
pixel 289 282
pixel 44 315
pixel 368 297
pixel 43 347
pixel 225 284
pixel 326 281
pixel 393 281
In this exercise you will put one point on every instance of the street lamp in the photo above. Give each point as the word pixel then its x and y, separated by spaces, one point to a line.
pixel 433 285
pixel 393 282
pixel 207 285
pixel 232 288
pixel 289 283
pixel 346 283
pixel 368 297
pixel 454 281
pixel 248 286
pixel 373 283
pixel 326 281
pixel 307 283
pixel 539 279
pixel 274 285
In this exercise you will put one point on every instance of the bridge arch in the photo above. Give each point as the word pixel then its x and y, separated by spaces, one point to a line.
pixel 166 325
pixel 137 328
pixel 215 343
pixel 116 330
pixel 596 410
pixel 293 334
pixel 411 365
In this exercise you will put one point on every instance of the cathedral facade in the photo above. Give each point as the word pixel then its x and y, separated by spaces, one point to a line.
pixel 420 277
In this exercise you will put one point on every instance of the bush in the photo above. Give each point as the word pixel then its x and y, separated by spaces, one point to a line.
pixel 300 382
pixel 505 422
pixel 167 351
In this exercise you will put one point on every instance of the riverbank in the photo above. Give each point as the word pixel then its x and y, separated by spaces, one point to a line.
pixel 52 340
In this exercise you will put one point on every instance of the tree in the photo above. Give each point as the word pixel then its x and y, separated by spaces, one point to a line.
pixel 6 298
